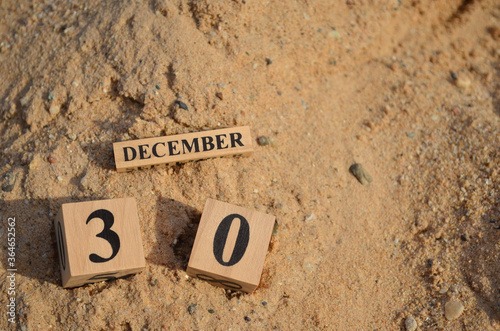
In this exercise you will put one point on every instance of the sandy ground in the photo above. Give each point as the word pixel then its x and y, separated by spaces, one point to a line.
pixel 409 89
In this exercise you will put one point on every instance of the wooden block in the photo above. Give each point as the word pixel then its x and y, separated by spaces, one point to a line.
pixel 151 152
pixel 98 240
pixel 230 246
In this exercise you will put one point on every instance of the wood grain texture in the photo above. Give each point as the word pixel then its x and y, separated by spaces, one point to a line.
pixel 151 152
pixel 88 249
pixel 242 271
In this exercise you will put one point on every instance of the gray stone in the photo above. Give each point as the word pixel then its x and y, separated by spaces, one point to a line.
pixel 360 173
pixel 192 308
pixel 411 324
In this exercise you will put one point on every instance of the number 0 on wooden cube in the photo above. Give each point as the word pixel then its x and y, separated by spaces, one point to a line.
pixel 230 246
pixel 98 240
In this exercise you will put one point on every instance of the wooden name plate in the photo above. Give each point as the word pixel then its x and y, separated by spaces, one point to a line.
pixel 230 246
pixel 150 152
pixel 98 240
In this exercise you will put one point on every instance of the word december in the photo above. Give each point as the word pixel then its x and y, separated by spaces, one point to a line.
pixel 130 153
pixel 149 152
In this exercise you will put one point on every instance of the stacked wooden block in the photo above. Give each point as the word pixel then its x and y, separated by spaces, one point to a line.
pixel 101 240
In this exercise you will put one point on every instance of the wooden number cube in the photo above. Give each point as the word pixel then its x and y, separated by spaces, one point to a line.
pixel 230 246
pixel 98 240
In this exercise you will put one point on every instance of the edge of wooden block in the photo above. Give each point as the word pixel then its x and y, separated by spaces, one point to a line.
pixel 122 272
pixel 245 287
pixel 66 272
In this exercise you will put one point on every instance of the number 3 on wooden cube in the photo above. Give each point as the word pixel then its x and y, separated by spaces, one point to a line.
pixel 230 246
pixel 98 240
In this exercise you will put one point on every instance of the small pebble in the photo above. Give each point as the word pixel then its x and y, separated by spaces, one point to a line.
pixel 24 101
pixel 181 105
pixel 268 61
pixel 360 173
pixel 410 134
pixel 247 319
pixel 453 310
pixel 410 324
pixel 310 218
pixel 54 109
pixel 219 95
pixel 304 104
pixel 211 311
pixel 59 178
pixel 52 159
pixel 453 75
pixel 264 303
pixel 444 289
pixel 192 308
pixel 50 97
pixel 157 86
pixel 263 141
pixel 462 82
pixel 83 180
pixel 33 164
pixel 9 183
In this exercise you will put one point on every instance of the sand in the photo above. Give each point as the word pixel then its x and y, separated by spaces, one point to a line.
pixel 408 89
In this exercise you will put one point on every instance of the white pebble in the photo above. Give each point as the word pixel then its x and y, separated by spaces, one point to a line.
pixel 24 101
pixel 444 290
pixel 54 109
pixel 310 218
pixel 462 82
pixel 411 324
pixel 453 310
